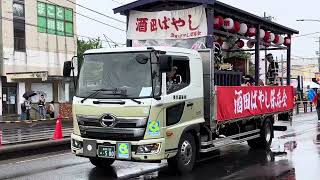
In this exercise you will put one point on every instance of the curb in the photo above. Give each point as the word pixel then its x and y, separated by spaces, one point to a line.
pixel 21 150
pixel 31 121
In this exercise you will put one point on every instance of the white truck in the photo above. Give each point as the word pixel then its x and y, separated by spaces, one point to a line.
pixel 126 107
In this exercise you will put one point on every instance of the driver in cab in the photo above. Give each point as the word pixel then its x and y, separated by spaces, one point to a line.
pixel 173 79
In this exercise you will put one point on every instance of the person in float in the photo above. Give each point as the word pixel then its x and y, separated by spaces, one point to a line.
pixel 173 79
pixel 273 70
pixel 248 80
pixel 316 102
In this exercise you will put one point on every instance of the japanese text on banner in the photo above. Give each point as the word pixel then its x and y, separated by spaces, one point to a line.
pixel 179 24
pixel 239 102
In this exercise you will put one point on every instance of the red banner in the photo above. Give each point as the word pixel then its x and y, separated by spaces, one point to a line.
pixel 244 101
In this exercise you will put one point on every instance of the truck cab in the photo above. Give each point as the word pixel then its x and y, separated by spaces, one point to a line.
pixel 127 108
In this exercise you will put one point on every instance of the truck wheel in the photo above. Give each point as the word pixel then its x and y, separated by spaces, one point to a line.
pixel 184 160
pixel 265 139
pixel 101 163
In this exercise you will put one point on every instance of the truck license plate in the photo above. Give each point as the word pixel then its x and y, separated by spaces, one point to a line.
pixel 106 151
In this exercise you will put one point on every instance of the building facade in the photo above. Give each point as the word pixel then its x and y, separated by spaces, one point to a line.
pixel 307 71
pixel 36 38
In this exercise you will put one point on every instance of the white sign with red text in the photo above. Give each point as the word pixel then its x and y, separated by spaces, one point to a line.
pixel 178 24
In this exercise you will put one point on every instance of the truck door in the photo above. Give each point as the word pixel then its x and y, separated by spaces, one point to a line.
pixel 179 101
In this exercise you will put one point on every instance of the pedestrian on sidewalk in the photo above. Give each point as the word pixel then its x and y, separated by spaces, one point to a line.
pixel 41 106
pixel 23 112
pixel 316 102
pixel 27 104
pixel 51 109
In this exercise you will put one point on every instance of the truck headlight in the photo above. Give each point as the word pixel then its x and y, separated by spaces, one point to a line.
pixel 76 144
pixel 149 149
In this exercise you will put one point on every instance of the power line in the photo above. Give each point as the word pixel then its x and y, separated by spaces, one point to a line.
pixel 306 34
pixel 102 14
pixel 108 41
pixel 116 1
pixel 92 18
pixel 34 25
pixel 102 22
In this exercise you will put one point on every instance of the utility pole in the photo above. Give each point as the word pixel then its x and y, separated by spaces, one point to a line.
pixel 265 55
pixel 282 69
pixel 319 56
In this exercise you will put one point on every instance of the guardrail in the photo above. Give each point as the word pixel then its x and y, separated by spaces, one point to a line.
pixel 303 106
pixel 18 135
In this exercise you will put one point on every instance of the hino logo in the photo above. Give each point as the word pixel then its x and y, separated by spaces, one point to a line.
pixel 108 120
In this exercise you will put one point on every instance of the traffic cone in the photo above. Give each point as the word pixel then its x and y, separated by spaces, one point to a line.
pixel 58 130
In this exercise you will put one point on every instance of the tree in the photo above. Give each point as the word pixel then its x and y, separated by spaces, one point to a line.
pixel 84 45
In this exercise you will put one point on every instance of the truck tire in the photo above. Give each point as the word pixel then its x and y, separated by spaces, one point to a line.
pixel 101 162
pixel 184 161
pixel 265 139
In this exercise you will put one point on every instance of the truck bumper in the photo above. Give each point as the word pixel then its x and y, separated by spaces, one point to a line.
pixel 78 148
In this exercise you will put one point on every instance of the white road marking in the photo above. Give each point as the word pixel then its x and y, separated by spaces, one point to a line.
pixel 41 158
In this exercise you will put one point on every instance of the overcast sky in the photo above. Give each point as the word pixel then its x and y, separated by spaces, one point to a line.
pixel 284 11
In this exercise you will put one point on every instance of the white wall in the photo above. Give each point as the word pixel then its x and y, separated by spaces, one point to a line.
pixel 1 97
pixel 34 61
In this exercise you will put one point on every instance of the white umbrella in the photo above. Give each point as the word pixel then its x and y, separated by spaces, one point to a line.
pixel 310 84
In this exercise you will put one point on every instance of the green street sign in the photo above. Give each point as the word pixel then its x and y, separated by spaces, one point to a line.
pixel 51 23
pixel 51 11
pixel 54 19
pixel 60 27
pixel 41 9
pixel 69 29
pixel 69 15
pixel 60 13
pixel 42 24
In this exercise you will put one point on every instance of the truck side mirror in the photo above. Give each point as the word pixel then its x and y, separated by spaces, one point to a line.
pixel 166 63
pixel 67 68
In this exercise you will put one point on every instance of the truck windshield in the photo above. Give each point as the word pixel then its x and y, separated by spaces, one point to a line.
pixel 120 72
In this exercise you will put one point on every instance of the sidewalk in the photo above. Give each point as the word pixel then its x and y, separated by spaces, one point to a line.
pixel 14 117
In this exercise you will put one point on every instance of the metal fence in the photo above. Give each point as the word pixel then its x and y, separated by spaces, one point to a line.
pixel 303 107
pixel 30 134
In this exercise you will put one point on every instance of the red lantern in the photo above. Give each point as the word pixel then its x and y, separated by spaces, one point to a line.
pixel 276 39
pixel 287 41
pixel 236 27
pixel 250 43
pixel 252 32
pixel 218 22
pixel 267 36
pixel 239 43
pixel 228 24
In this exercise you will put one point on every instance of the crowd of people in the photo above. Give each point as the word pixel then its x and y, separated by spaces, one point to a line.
pixel 44 109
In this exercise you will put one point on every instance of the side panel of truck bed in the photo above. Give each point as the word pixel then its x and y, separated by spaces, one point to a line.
pixel 236 102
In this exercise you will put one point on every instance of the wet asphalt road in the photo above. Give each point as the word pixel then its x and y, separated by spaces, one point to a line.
pixel 294 156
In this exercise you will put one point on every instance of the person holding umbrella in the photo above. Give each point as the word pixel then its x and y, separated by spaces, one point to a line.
pixel 26 106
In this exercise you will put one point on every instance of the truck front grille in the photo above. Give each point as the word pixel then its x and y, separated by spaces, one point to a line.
pixel 124 128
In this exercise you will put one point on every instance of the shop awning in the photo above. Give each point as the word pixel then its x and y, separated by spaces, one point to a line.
pixel 18 76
